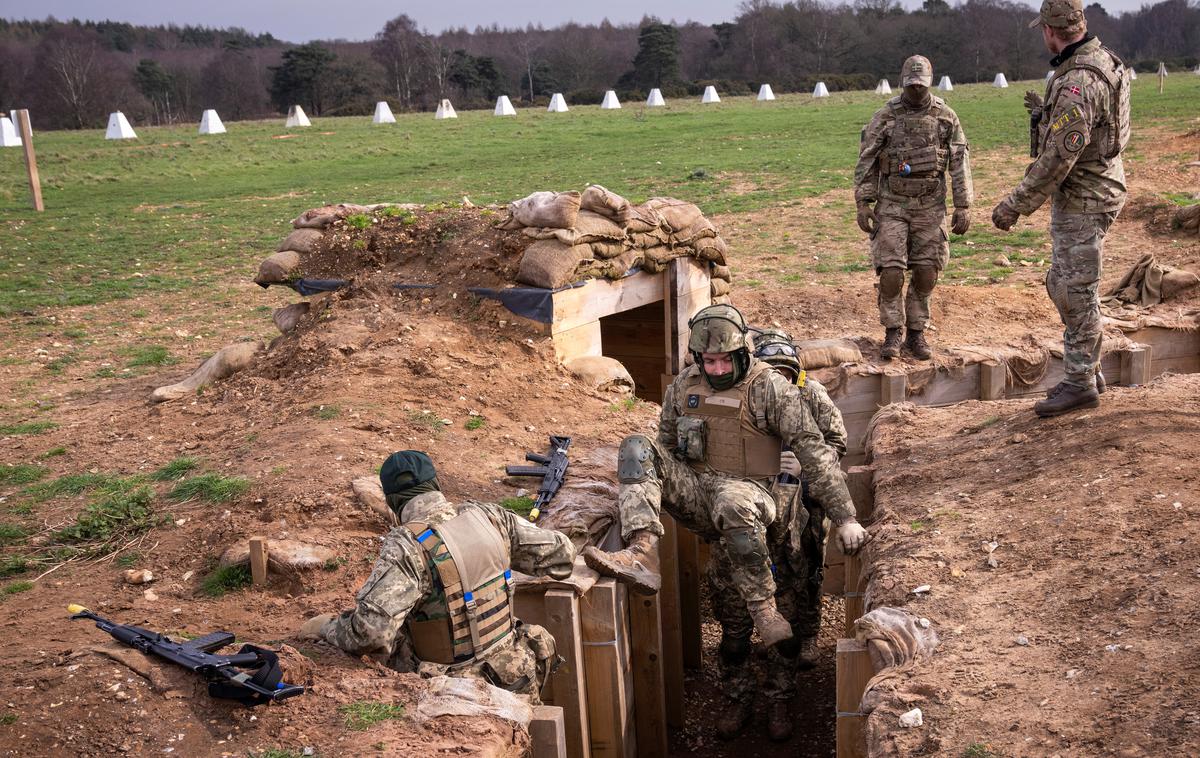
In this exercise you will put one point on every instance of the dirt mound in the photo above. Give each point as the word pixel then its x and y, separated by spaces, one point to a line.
pixel 1080 639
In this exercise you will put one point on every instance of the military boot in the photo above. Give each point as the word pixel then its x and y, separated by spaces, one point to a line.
pixel 891 344
pixel 1065 398
pixel 636 565
pixel 771 625
pixel 809 654
pixel 779 721
pixel 1101 385
pixel 735 718
pixel 916 344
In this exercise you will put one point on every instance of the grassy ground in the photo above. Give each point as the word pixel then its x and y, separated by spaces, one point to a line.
pixel 174 210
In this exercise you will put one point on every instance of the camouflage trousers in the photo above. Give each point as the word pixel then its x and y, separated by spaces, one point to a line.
pixel 799 574
pixel 1073 283
pixel 908 240
pixel 520 663
pixel 734 513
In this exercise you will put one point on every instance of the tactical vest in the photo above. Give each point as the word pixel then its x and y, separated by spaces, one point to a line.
pixel 472 565
pixel 1110 134
pixel 735 445
pixel 914 163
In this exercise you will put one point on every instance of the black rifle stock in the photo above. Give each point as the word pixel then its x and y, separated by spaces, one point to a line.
pixel 551 467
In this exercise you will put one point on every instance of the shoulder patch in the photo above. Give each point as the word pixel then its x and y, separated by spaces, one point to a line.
pixel 1072 115
pixel 1073 142
pixel 693 401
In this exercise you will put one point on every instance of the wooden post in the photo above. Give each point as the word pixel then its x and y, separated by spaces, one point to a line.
pixel 689 598
pixel 993 379
pixel 1162 74
pixel 893 388
pixel 35 182
pixel 860 480
pixel 649 690
pixel 854 670
pixel 668 554
pixel 547 732
pixel 570 688
pixel 606 661
pixel 853 592
pixel 1135 365
pixel 258 560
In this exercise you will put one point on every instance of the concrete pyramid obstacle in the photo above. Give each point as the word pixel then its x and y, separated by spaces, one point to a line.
pixel 297 117
pixel 766 93
pixel 820 90
pixel 944 85
pixel 1132 74
pixel 9 136
pixel 445 110
pixel 610 102
pixel 1162 69
pixel 558 104
pixel 504 107
pixel 710 95
pixel 119 128
pixel 210 123
pixel 656 99
pixel 1000 81
pixel 883 88
pixel 383 113
pixel 1196 71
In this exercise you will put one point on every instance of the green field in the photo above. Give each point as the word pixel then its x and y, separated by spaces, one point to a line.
pixel 181 209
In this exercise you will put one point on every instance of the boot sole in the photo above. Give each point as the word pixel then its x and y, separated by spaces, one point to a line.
pixel 604 567
pixel 1093 403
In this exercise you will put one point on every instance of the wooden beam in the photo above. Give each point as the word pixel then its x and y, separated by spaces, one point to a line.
pixel 993 378
pixel 604 623
pixel 690 582
pixel 602 297
pixel 547 732
pixel 893 388
pixel 570 688
pixel 860 480
pixel 853 592
pixel 258 560
pixel 668 552
pixel 31 169
pixel 1135 365
pixel 577 342
pixel 649 687
pixel 854 670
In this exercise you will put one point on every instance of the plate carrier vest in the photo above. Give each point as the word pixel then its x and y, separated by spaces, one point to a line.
pixel 735 445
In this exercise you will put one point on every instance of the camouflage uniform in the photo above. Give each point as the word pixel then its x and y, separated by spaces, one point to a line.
pixel 404 585
pixel 904 155
pixel 1079 168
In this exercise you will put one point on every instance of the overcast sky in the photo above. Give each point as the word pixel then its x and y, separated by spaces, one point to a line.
pixel 303 20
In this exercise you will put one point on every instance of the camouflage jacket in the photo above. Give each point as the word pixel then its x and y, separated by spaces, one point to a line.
pixel 825 413
pixel 404 582
pixel 1068 166
pixel 929 140
pixel 780 408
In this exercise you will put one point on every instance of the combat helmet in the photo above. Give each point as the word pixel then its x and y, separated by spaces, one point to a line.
pixel 775 347
pixel 720 329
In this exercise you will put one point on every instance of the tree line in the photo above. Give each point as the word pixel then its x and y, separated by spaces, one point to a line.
pixel 72 74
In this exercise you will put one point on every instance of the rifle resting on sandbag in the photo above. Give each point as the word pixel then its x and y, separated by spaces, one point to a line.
pixel 252 676
pixel 552 467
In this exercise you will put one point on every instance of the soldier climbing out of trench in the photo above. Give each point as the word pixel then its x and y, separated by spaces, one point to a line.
pixel 904 155
pixel 724 423
pixel 439 599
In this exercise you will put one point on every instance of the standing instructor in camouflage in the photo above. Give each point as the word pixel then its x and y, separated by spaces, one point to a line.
pixel 905 152
pixel 1083 125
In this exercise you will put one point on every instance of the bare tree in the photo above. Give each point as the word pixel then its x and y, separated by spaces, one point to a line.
pixel 397 49
pixel 69 55
pixel 439 58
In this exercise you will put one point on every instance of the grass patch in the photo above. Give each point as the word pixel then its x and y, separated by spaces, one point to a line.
pixel 211 487
pixel 979 750
pixel 226 579
pixel 149 356
pixel 176 469
pixel 363 715
pixel 20 473
pixel 325 412
pixel 15 587
pixel 53 452
pixel 10 533
pixel 30 427
pixel 358 221
pixel 68 485
pixel 333 564
pixel 13 565
pixel 521 506
pixel 918 526
pixel 427 420
pixel 8 719
pixel 475 422
pixel 122 508
pixel 628 404
pixel 129 560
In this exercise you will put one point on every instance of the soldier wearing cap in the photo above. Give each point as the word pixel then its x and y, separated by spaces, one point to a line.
pixel 904 155
pixel 439 599
pixel 1083 125
pixel 724 423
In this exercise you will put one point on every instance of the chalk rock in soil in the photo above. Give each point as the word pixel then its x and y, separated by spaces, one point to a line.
pixel 601 372
pixel 282 555
pixel 276 268
pixel 224 363
pixel 137 576
pixel 369 492
pixel 301 240
pixel 287 317
pixel 912 719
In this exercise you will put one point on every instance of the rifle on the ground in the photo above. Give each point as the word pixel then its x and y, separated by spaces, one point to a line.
pixel 251 677
pixel 551 467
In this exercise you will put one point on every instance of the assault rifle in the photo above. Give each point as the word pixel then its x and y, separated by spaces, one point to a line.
pixel 259 683
pixel 551 467
pixel 1035 118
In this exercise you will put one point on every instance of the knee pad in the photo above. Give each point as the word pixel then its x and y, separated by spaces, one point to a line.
pixel 891 282
pixel 924 278
pixel 635 459
pixel 744 546
pixel 734 650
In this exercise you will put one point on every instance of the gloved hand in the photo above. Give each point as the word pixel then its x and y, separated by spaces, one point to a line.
pixel 1004 215
pixel 789 463
pixel 961 221
pixel 853 536
pixel 311 629
pixel 867 220
pixel 1033 103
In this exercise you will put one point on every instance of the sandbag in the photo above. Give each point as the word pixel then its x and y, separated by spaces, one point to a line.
pixel 319 218
pixel 677 215
pixel 551 264
pixel 601 373
pixel 597 199
pixel 606 249
pixel 641 218
pixel 711 249
pixel 615 268
pixel 721 272
pixel 720 287
pixel 301 240
pixel 554 210
pixel 277 268
pixel 700 229
pixel 224 363
pixel 1149 282
pixel 287 317
pixel 648 239
pixel 814 354
pixel 1187 218
pixel 589 227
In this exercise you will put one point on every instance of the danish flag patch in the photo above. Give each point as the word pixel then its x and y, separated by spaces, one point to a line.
pixel 1074 89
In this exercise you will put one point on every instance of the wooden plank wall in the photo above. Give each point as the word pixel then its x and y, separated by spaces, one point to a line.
pixel 636 338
